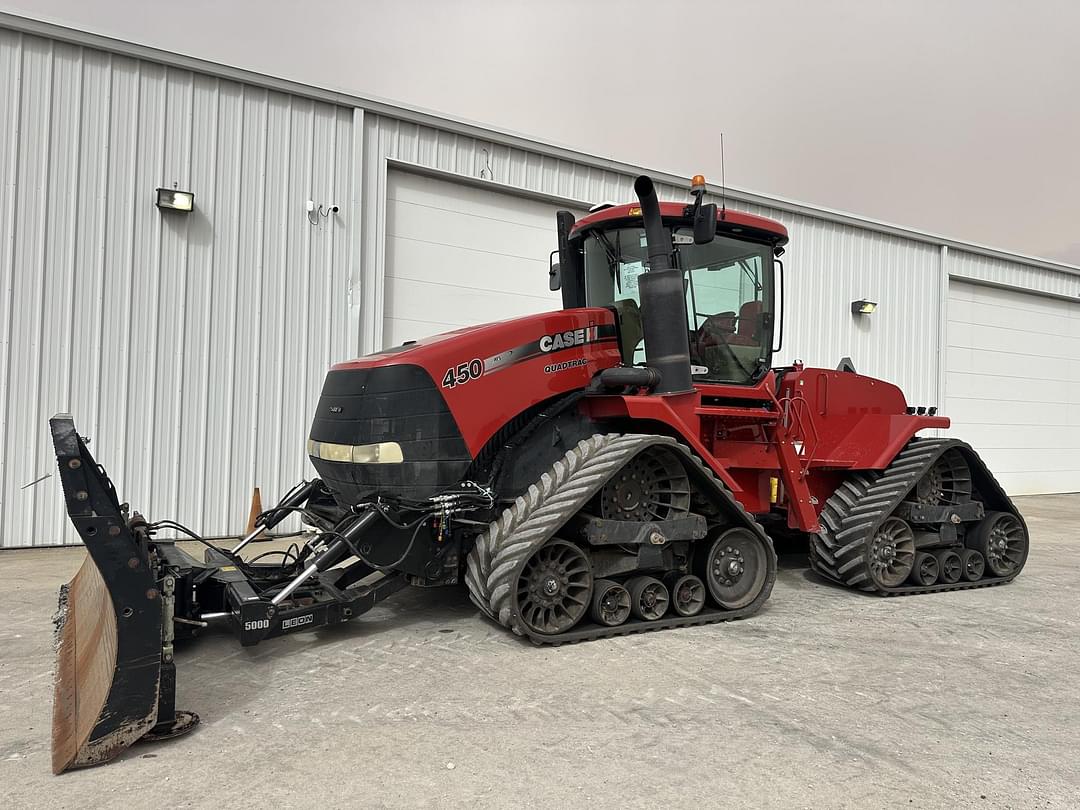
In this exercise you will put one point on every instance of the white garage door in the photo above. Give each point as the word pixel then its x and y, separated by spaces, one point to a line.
pixel 1013 384
pixel 458 255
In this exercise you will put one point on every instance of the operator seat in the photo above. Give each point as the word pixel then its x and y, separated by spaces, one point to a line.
pixel 748 329
pixel 630 331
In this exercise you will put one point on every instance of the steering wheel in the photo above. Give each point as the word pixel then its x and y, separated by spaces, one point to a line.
pixel 714 330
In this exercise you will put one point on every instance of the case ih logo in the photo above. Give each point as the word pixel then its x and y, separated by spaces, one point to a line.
pixel 564 340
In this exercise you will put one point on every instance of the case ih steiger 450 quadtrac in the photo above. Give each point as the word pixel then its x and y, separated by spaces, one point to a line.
pixel 609 468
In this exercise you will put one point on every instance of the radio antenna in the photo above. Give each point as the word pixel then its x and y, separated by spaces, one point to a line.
pixel 723 180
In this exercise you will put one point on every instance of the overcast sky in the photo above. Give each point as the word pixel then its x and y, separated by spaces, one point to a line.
pixel 958 117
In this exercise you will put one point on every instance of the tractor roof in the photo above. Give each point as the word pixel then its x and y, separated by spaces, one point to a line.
pixel 727 221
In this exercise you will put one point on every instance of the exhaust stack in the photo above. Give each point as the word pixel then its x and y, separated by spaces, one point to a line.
pixel 663 305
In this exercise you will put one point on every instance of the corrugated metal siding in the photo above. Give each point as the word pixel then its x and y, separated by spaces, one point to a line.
pixel 189 348
pixel 1004 273
pixel 829 265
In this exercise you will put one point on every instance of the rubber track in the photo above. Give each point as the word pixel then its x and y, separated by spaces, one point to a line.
pixel 853 514
pixel 587 631
pixel 501 550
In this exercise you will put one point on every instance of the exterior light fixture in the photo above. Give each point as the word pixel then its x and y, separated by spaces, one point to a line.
pixel 863 307
pixel 172 200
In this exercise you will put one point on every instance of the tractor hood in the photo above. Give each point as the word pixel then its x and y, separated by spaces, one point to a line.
pixel 409 420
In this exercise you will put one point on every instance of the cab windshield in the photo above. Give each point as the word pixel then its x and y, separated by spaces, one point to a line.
pixel 728 298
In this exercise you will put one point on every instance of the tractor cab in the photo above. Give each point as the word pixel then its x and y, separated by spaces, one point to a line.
pixel 729 276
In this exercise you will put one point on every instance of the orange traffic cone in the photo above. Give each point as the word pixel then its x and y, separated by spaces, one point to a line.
pixel 256 510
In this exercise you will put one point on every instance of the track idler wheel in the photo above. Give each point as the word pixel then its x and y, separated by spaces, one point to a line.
pixel 925 570
pixel 555 587
pixel 734 567
pixel 687 594
pixel 950 566
pixel 891 553
pixel 610 603
pixel 973 564
pixel 1003 542
pixel 649 598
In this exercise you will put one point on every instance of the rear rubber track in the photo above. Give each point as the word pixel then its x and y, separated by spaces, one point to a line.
pixel 500 551
pixel 853 514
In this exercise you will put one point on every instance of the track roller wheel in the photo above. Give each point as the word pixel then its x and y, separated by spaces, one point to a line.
pixel 950 566
pixel 973 564
pixel 734 566
pixel 925 569
pixel 555 587
pixel 648 598
pixel 891 553
pixel 1003 541
pixel 687 594
pixel 610 603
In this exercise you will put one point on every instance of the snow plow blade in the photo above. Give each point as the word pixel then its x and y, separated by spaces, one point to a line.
pixel 112 666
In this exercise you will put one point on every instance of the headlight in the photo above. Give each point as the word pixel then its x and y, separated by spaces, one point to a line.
pixel 379 453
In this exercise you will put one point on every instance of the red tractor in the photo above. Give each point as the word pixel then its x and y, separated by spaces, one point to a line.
pixel 612 467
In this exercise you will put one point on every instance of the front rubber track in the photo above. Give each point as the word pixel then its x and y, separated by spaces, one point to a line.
pixel 501 550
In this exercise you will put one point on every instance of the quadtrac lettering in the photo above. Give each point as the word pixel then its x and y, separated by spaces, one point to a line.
pixel 563 366
pixel 463 373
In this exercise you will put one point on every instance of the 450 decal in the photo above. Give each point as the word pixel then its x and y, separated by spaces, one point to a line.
pixel 462 373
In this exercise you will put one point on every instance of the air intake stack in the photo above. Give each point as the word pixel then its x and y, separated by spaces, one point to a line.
pixel 663 303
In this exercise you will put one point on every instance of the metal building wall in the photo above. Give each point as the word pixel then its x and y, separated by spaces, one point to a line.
pixel 1003 273
pixel 188 347
pixel 192 348
pixel 828 264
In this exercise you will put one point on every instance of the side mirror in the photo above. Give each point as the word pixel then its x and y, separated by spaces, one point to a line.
pixel 554 273
pixel 705 224
pixel 778 319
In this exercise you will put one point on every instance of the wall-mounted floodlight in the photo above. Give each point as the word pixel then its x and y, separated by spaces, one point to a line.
pixel 173 200
pixel 863 307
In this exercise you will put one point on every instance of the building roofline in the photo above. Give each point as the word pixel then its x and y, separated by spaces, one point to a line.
pixel 50 30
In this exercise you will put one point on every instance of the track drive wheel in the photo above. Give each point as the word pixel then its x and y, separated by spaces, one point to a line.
pixel 687 594
pixel 649 598
pixel 610 603
pixel 925 570
pixel 734 566
pixel 652 486
pixel 973 564
pixel 950 566
pixel 555 587
pixel 1003 541
pixel 946 483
